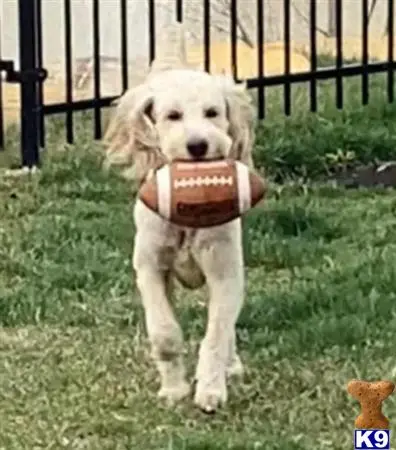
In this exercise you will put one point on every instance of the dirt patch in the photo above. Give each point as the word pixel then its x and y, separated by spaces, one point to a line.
pixel 372 175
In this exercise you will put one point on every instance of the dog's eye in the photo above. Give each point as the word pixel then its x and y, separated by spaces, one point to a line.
pixel 174 115
pixel 211 113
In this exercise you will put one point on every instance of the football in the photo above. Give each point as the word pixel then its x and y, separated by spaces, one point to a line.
pixel 202 194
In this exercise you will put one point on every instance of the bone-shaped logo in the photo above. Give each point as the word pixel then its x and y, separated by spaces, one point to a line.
pixel 370 395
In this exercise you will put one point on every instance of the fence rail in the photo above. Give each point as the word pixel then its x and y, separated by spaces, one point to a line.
pixel 31 75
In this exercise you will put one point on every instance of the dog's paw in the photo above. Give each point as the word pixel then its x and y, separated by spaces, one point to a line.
pixel 210 398
pixel 173 394
pixel 235 368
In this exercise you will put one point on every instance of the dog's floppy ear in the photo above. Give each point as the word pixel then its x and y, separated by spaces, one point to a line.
pixel 241 118
pixel 131 139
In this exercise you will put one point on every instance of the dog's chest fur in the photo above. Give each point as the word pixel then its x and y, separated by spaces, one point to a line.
pixel 180 251
pixel 182 262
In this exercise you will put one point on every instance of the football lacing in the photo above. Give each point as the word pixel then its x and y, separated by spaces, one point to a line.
pixel 203 181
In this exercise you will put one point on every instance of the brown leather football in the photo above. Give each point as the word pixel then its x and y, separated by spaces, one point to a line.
pixel 202 194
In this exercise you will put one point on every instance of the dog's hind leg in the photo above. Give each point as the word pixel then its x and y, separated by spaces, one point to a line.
pixel 234 365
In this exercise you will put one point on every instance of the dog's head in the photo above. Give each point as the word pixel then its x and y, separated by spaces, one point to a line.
pixel 180 114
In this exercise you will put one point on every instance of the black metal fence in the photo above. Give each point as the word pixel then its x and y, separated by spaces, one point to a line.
pixel 31 74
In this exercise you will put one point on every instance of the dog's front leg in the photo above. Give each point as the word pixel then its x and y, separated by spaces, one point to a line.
pixel 219 252
pixel 152 252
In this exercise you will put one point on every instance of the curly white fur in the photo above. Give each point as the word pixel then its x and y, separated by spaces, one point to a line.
pixel 154 123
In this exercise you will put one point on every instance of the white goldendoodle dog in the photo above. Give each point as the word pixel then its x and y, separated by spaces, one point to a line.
pixel 180 112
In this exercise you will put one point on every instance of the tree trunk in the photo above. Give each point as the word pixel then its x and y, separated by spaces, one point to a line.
pixel 331 25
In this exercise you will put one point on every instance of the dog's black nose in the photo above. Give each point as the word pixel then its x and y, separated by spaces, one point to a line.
pixel 197 148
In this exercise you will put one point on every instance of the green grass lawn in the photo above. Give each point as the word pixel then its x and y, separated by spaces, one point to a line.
pixel 320 309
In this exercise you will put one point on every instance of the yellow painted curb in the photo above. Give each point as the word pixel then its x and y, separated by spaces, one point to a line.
pixel 247 59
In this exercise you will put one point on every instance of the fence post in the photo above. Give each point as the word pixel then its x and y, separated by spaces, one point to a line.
pixel 30 106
